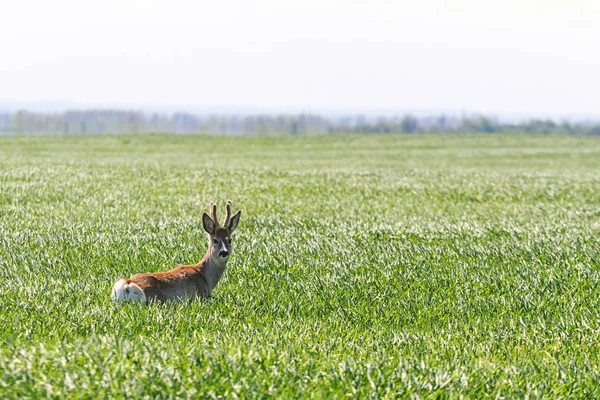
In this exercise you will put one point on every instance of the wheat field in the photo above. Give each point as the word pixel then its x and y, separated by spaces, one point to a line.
pixel 381 266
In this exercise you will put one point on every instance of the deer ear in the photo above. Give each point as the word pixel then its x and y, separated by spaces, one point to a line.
pixel 233 222
pixel 208 224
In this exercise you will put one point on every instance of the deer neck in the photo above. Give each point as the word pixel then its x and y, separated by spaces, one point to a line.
pixel 212 269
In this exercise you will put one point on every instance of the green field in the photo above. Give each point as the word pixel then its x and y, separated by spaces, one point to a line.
pixel 363 266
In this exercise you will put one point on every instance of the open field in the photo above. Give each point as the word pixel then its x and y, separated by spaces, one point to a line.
pixel 377 266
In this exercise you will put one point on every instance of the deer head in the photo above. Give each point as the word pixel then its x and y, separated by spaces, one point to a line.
pixel 219 246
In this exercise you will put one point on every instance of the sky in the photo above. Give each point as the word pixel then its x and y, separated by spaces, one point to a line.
pixel 499 57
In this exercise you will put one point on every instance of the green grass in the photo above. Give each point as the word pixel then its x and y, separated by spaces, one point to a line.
pixel 363 266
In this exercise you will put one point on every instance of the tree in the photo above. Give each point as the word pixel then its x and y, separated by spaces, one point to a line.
pixel 409 124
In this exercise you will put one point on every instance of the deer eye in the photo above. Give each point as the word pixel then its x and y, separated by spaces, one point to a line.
pixel 215 241
pixel 228 240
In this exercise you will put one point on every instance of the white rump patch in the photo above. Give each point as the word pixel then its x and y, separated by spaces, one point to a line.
pixel 127 291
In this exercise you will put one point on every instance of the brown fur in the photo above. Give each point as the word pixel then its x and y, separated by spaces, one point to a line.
pixel 182 282
pixel 187 281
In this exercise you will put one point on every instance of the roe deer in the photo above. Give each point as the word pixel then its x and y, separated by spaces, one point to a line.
pixel 186 281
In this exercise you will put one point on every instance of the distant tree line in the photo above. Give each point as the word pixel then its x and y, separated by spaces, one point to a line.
pixel 117 121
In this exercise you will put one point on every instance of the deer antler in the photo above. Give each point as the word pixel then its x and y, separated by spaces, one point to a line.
pixel 228 214
pixel 213 213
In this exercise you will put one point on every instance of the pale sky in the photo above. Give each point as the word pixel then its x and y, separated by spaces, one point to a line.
pixel 509 56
